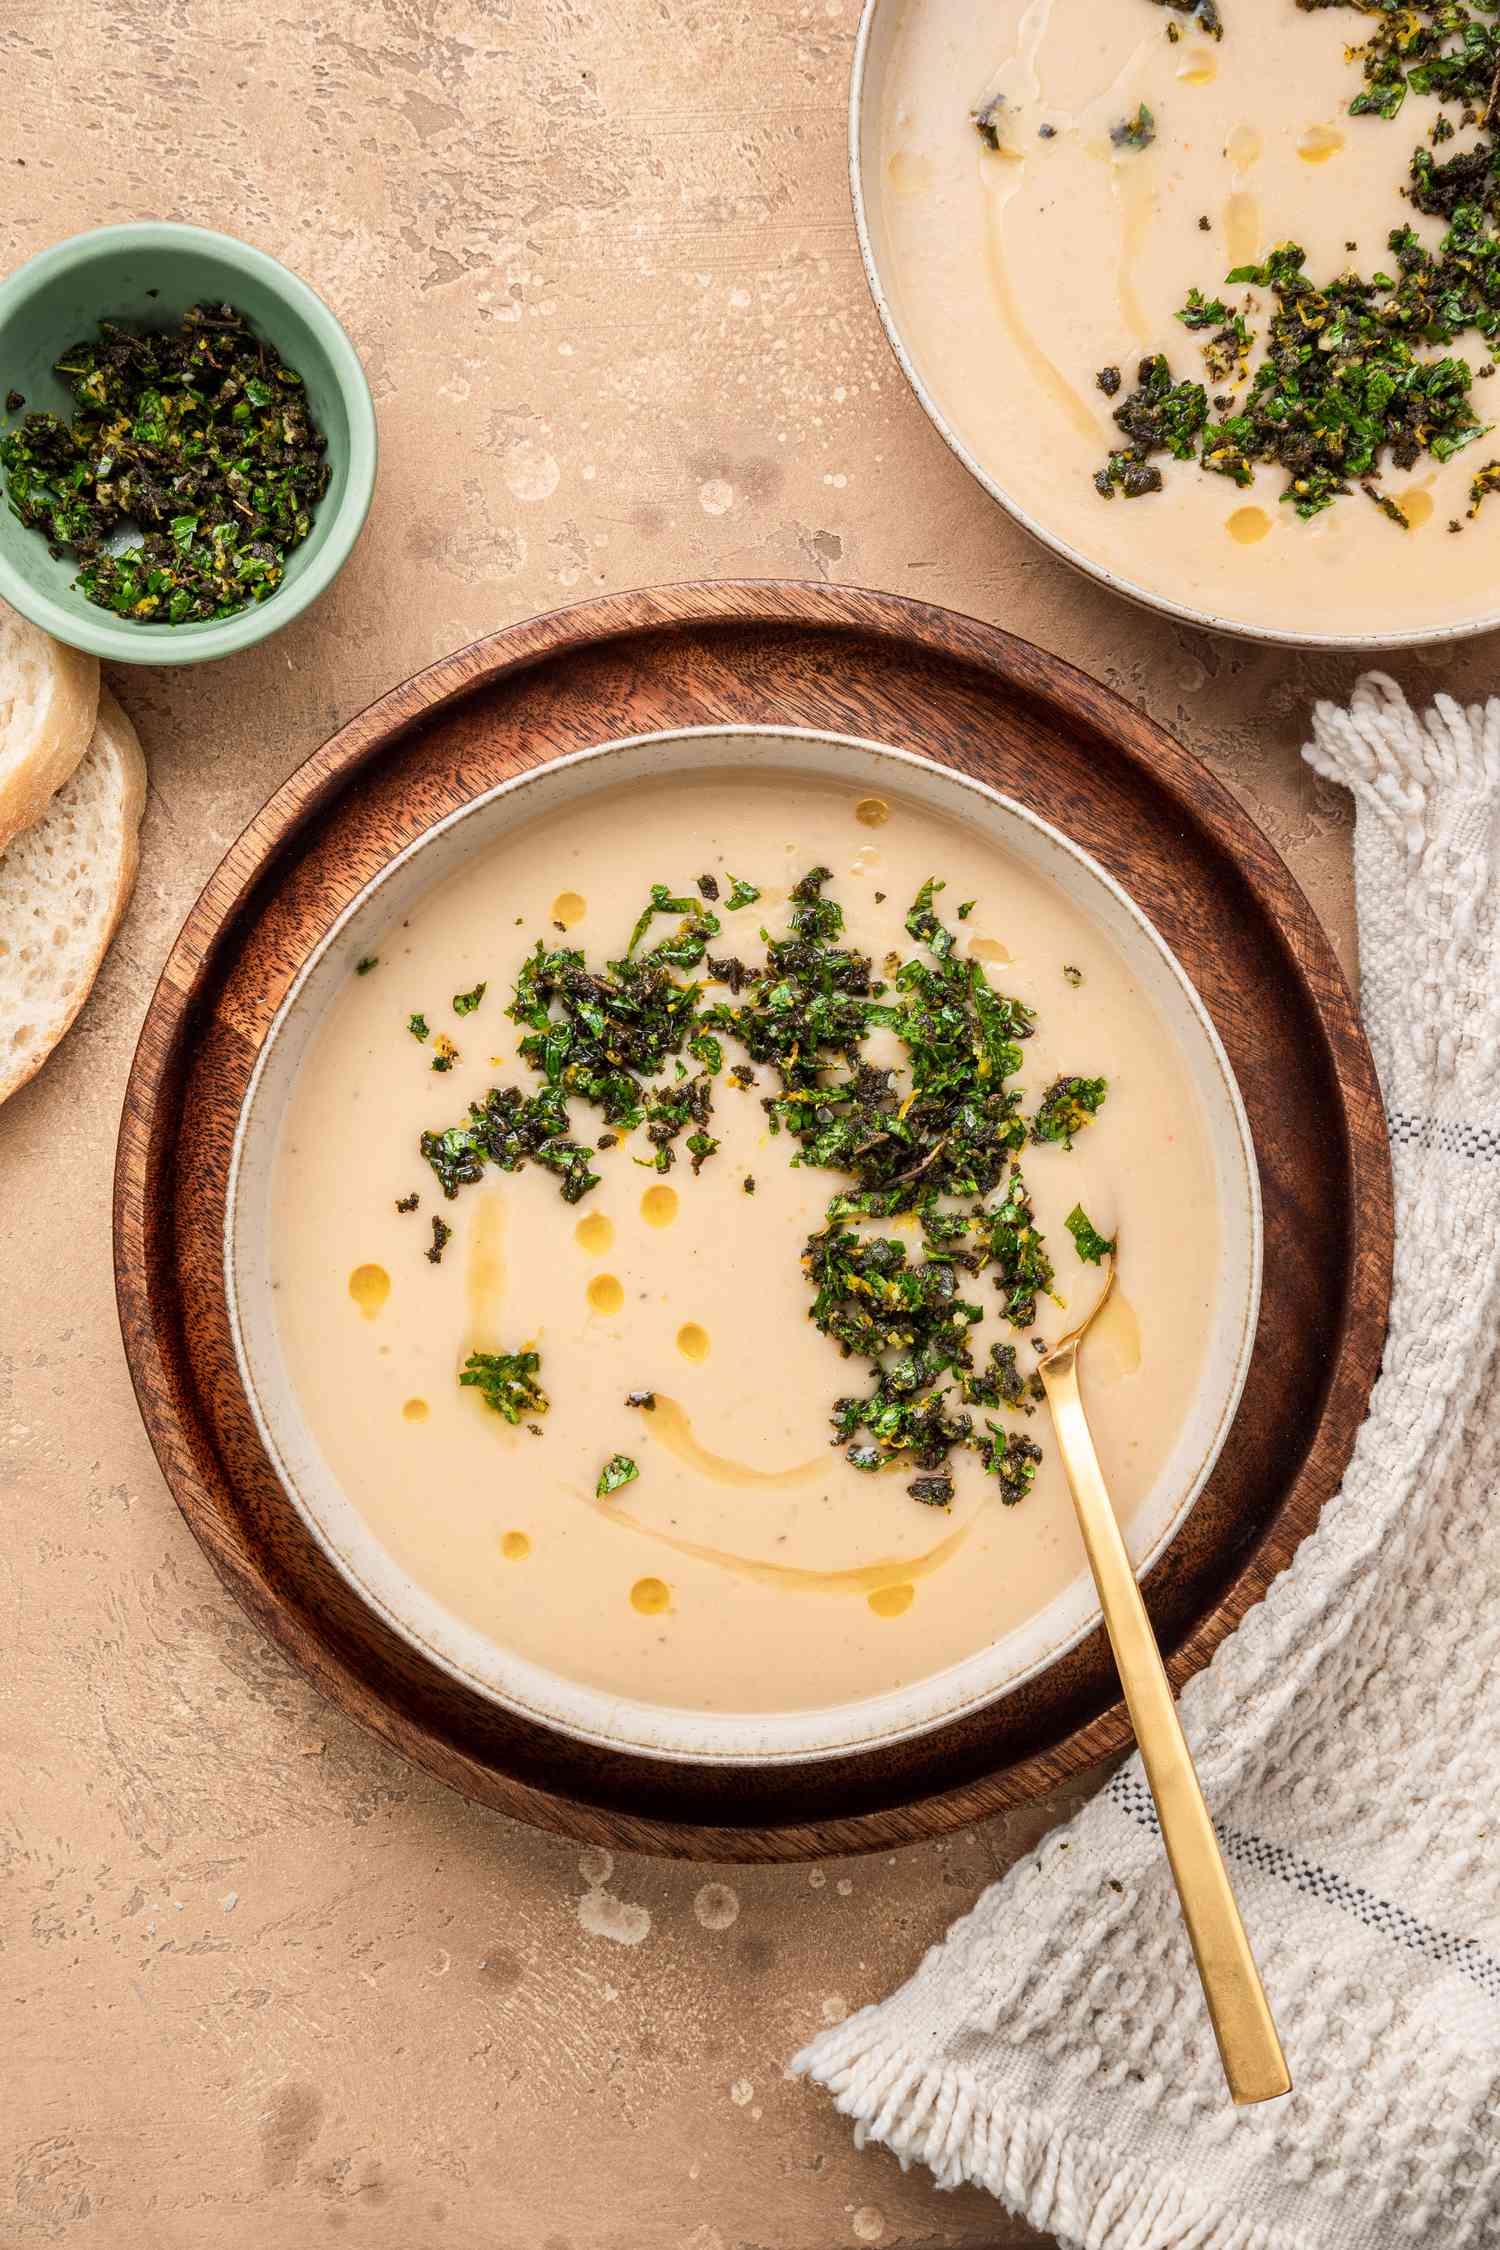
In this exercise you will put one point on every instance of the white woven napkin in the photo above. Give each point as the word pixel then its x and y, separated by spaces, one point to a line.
pixel 1054 2048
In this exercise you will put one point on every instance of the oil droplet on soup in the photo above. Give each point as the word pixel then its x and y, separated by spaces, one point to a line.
pixel 1247 525
pixel 515 1546
pixel 1242 229
pixel 416 1410
pixel 1243 146
pixel 569 908
pixel 1415 505
pixel 1198 68
pixel 595 1233
pixel 692 1341
pixel 650 1596
pixel 369 1286
pixel 659 1206
pixel 605 1293
pixel 1318 143
pixel 988 949
pixel 892 1601
pixel 872 812
pixel 908 172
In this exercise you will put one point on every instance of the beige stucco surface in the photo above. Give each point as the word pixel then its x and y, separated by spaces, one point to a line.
pixel 262 1985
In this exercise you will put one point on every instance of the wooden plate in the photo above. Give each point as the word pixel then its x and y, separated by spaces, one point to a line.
pixel 858 663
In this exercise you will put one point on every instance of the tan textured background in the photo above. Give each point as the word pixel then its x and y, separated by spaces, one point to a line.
pixel 262 1986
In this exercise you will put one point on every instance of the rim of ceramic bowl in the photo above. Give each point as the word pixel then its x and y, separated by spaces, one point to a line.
pixel 666 1733
pixel 1186 613
pixel 101 634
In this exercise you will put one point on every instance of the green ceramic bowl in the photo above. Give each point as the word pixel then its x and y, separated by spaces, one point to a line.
pixel 148 274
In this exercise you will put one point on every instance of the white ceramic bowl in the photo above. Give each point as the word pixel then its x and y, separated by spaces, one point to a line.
pixel 648 1729
pixel 873 49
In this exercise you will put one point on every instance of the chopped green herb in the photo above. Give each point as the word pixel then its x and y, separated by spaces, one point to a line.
pixel 699 1147
pixel 1485 482
pixel 1074 976
pixel 953 1133
pixel 442 1235
pixel 408 1202
pixel 14 401
pixel 464 1003
pixel 1203 312
pixel 1013 1461
pixel 934 1137
pixel 618 1469
pixel 1023 1270
pixel 1134 132
pixel 370 961
pixel 708 886
pixel 646 1400
pixel 687 949
pixel 417 1026
pixel 963 912
pixel 1092 1246
pixel 1159 416
pixel 1226 355
pixel 506 1381
pixel 1205 13
pixel 1001 1383
pixel 509 1129
pixel 1067 1106
pixel 933 1492
pixel 740 894
pixel 871 1301
pixel 445 1054
pixel 986 120
pixel 1388 507
pixel 1409 49
pixel 670 1113
pixel 197 437
pixel 812 1009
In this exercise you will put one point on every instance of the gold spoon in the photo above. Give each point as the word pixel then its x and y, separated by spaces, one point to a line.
pixel 1248 2046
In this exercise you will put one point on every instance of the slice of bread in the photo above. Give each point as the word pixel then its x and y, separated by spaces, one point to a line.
pixel 64 883
pixel 49 696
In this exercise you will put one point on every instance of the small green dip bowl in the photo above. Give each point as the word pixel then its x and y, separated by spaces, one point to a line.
pixel 147 274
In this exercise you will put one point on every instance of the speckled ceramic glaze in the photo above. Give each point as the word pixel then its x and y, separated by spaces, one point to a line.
pixel 149 274
pixel 337 1524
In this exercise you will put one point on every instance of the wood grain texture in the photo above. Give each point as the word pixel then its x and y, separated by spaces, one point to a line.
pixel 925 680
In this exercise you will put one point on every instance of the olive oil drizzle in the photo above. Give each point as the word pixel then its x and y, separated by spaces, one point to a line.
pixel 485 1271
pixel 866 1578
pixel 668 1423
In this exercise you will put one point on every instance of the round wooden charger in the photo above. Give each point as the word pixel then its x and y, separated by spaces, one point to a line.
pixel 858 663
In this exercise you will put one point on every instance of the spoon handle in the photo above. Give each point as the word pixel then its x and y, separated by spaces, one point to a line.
pixel 1248 2046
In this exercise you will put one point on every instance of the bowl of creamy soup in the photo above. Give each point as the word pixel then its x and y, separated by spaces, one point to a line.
pixel 1196 289
pixel 647 1212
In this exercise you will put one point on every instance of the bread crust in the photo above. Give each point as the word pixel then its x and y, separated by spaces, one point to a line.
pixel 118 741
pixel 65 732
